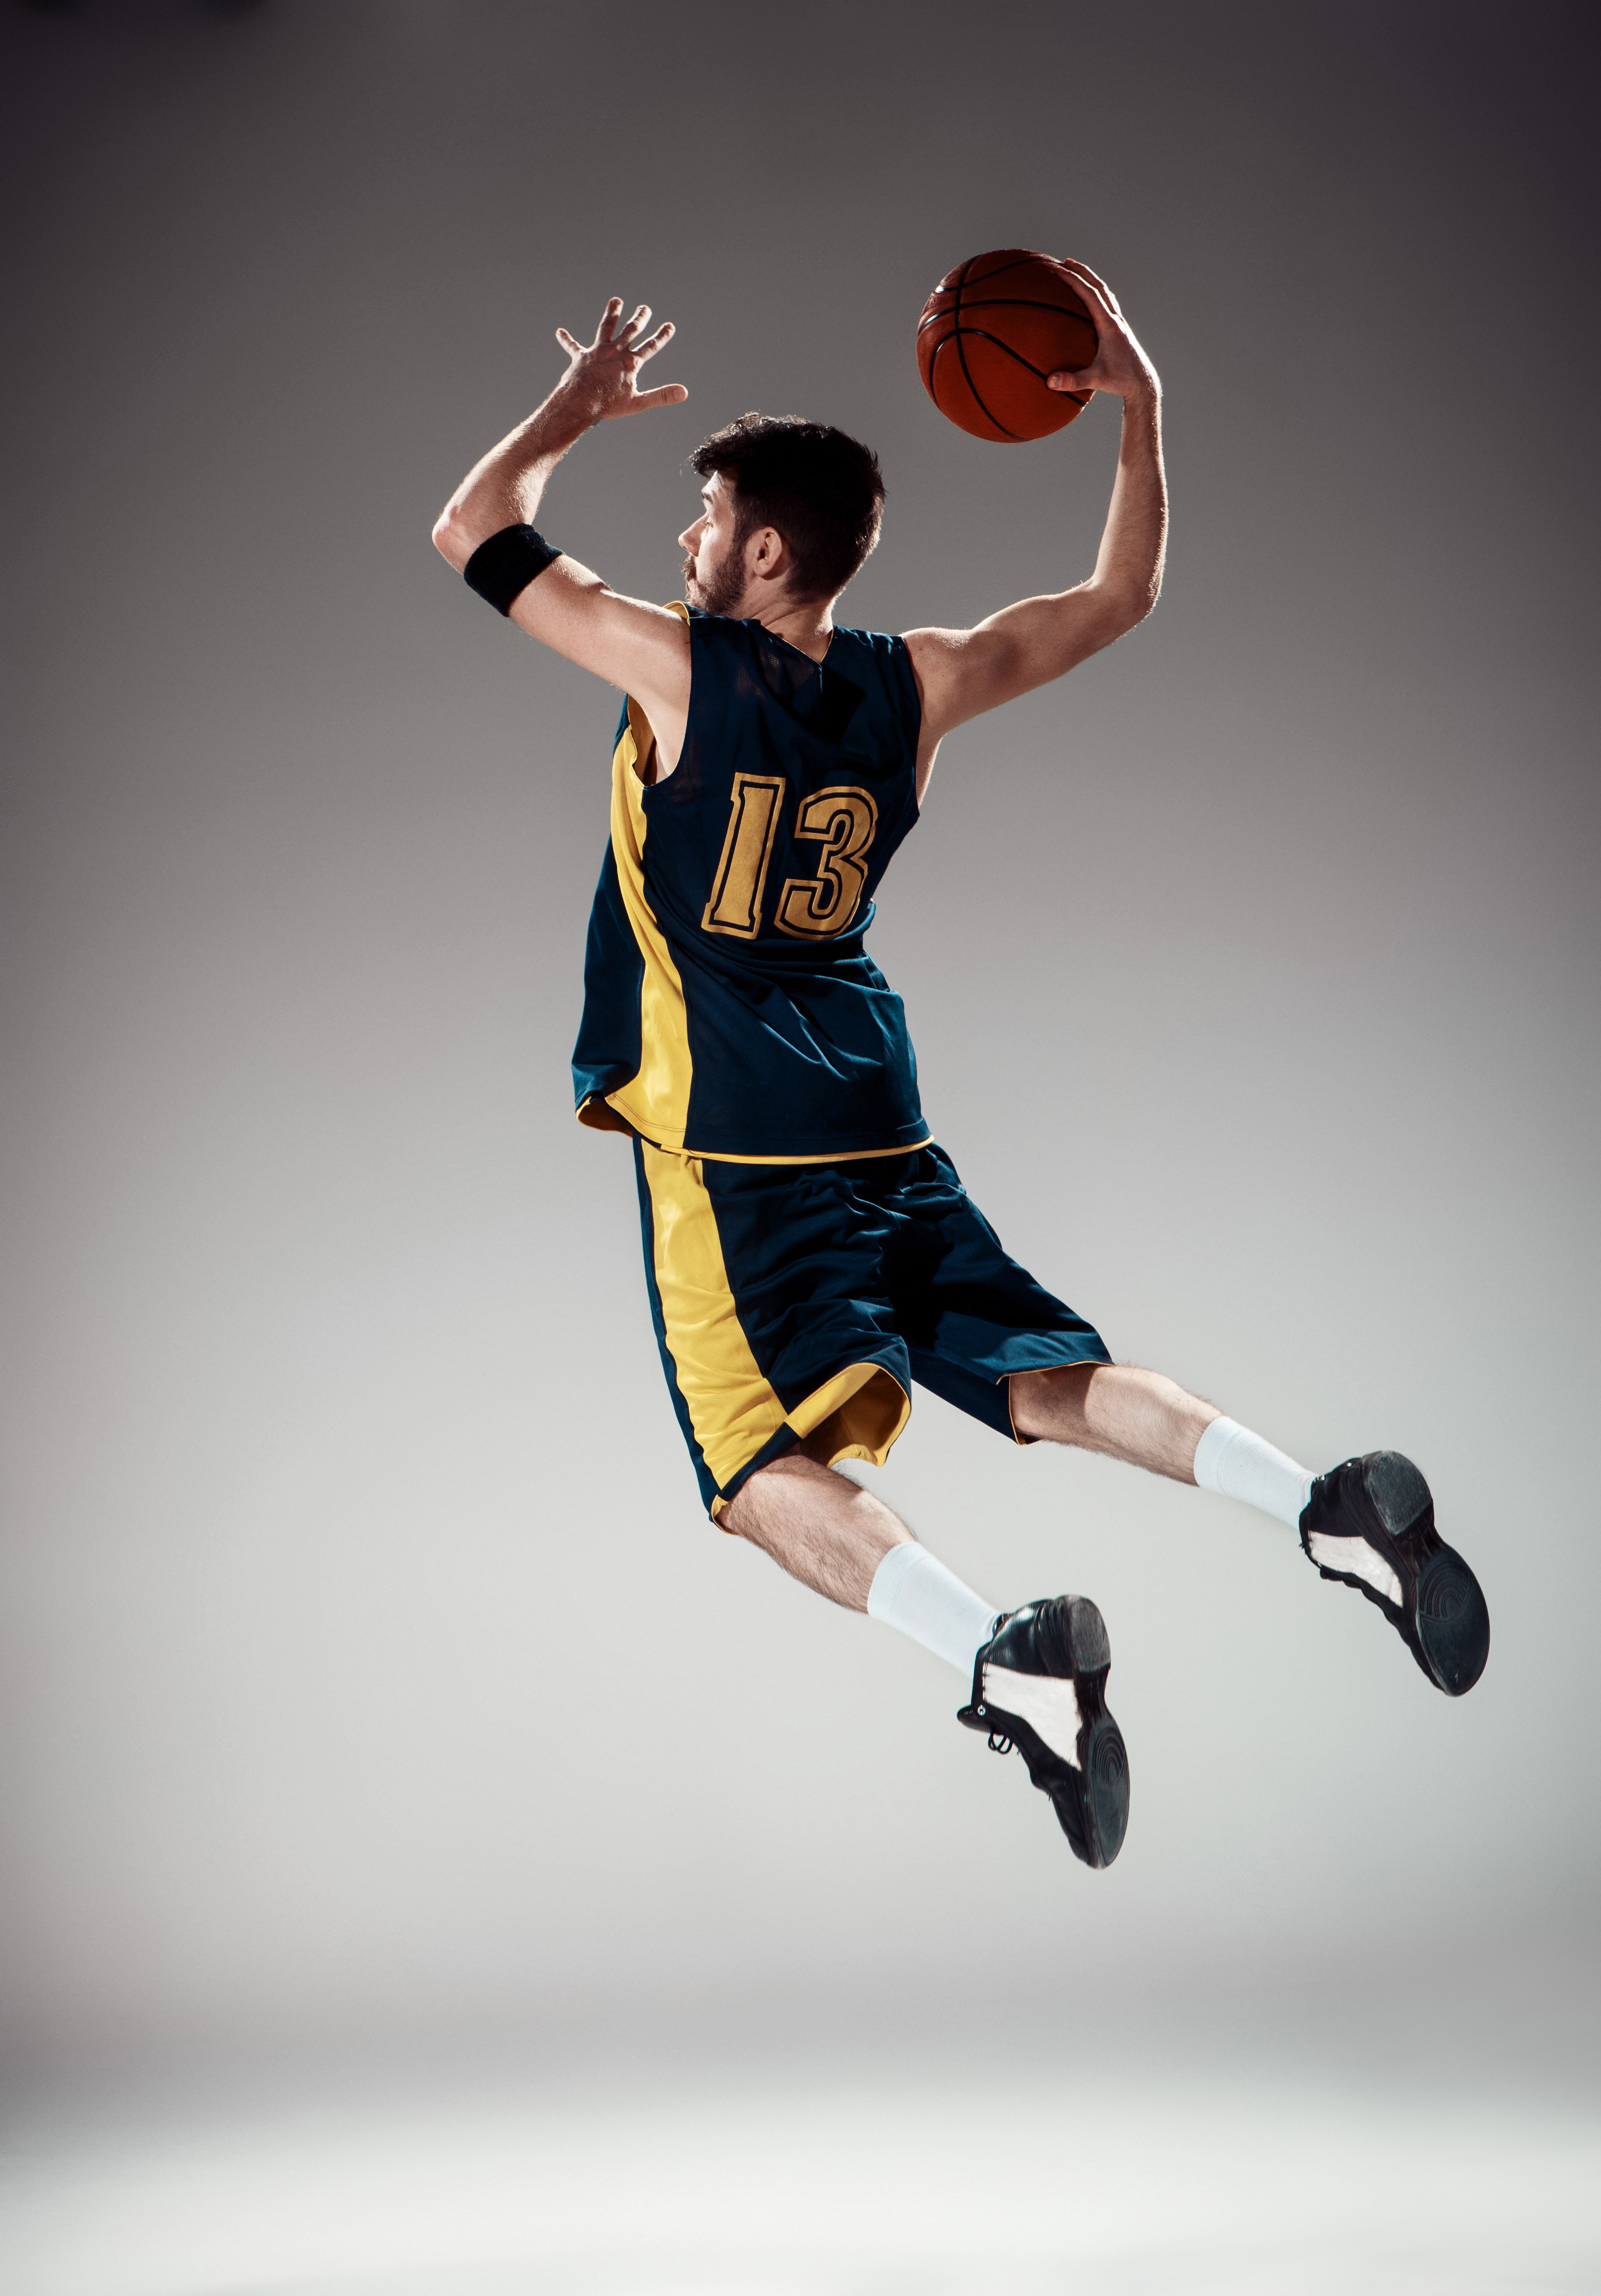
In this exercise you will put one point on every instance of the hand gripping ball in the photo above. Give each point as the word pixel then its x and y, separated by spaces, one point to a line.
pixel 991 331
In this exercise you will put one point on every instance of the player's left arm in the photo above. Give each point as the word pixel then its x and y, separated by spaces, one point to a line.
pixel 641 648
pixel 962 673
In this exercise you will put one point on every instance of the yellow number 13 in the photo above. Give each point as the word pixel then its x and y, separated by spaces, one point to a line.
pixel 842 821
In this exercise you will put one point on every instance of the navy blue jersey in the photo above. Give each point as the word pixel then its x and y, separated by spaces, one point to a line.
pixel 730 1009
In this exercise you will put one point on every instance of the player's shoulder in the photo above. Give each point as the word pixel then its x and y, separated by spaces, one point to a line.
pixel 873 658
pixel 759 666
pixel 878 655
pixel 719 633
pixel 882 646
pixel 877 659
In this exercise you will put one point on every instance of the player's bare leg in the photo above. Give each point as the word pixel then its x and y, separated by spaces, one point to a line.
pixel 831 1534
pixel 1039 1674
pixel 1368 1523
pixel 819 1525
pixel 1117 1409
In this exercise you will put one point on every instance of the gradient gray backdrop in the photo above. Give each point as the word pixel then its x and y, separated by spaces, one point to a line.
pixel 369 1675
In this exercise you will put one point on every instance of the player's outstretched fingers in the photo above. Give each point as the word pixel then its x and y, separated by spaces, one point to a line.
pixel 1082 271
pixel 666 394
pixel 1099 301
pixel 640 319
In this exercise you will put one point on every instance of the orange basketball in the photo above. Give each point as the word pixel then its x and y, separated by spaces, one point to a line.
pixel 991 331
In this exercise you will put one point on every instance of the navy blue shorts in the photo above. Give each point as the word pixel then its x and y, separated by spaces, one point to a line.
pixel 801 1301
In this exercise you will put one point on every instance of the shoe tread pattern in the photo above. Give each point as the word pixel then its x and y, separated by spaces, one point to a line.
pixel 1382 1498
pixel 1065 1637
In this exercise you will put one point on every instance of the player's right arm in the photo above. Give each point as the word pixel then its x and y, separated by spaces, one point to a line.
pixel 963 673
pixel 640 647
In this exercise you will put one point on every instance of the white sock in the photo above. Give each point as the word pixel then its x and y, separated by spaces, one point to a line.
pixel 913 1591
pixel 1237 1465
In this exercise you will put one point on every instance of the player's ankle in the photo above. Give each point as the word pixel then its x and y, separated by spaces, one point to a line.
pixel 1237 1465
pixel 913 1591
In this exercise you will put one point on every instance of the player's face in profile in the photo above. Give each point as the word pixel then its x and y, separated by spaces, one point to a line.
pixel 714 570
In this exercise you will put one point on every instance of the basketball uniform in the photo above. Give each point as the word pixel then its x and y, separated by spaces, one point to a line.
pixel 810 1251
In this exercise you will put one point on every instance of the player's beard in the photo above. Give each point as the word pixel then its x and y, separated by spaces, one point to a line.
pixel 726 588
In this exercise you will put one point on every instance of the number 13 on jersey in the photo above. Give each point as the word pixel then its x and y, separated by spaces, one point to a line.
pixel 842 821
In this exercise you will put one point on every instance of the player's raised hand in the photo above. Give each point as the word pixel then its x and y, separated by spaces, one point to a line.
pixel 1120 366
pixel 602 377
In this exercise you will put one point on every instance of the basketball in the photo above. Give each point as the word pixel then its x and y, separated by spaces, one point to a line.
pixel 991 331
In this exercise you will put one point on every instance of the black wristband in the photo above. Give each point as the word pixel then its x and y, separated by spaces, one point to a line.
pixel 501 569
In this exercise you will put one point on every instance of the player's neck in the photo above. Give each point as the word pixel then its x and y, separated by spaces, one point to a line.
pixel 808 626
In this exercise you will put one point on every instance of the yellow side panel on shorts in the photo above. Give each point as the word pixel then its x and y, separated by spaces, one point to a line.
pixel 732 1409
pixel 860 1414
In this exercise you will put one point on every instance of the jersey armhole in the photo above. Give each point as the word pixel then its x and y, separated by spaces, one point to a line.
pixel 639 726
pixel 644 736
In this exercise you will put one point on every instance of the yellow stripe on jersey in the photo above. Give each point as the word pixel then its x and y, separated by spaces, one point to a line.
pixel 655 1102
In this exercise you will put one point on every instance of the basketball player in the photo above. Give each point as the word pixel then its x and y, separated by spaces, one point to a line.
pixel 810 1250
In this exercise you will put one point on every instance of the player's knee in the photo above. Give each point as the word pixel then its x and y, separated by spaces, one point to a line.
pixel 1050 1403
pixel 771 1486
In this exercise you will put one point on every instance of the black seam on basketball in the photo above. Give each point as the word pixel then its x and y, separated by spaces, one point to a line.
pixel 1016 436
pixel 1031 256
pixel 1022 303
pixel 944 344
pixel 1000 345
pixel 955 337
pixel 955 288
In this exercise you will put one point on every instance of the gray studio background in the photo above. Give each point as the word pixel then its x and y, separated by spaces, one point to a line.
pixel 371 1682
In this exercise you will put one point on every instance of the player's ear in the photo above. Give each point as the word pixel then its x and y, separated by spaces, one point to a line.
pixel 766 554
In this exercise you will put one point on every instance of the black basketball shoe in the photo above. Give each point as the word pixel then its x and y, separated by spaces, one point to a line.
pixel 1370 1524
pixel 1039 1684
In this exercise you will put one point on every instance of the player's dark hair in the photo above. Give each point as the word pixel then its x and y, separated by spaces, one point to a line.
pixel 821 489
